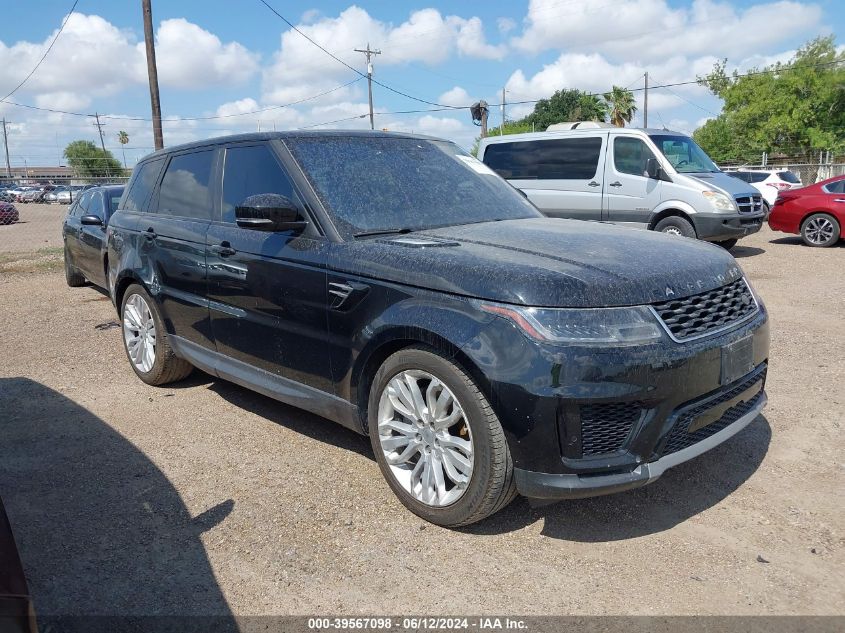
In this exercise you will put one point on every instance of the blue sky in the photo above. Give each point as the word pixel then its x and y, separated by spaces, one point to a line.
pixel 228 59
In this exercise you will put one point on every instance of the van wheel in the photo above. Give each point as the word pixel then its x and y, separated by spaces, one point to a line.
pixel 145 340
pixel 727 244
pixel 674 225
pixel 820 229
pixel 437 440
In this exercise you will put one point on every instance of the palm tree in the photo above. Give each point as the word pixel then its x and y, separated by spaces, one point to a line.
pixel 123 137
pixel 621 104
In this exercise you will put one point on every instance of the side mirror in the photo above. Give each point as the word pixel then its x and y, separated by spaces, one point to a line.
pixel 653 169
pixel 269 212
pixel 91 220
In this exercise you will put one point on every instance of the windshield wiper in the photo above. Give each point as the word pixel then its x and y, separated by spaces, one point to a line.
pixel 383 232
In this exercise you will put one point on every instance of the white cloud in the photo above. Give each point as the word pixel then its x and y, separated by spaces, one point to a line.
pixel 647 29
pixel 457 96
pixel 471 40
pixel 505 25
pixel 188 56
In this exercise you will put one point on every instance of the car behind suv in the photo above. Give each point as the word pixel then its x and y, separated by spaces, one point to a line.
pixel 396 285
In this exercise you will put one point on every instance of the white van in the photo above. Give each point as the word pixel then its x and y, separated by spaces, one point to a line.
pixel 654 179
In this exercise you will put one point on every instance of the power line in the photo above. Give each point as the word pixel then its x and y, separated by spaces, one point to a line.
pixel 44 56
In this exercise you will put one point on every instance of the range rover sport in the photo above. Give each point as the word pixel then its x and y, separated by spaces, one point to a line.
pixel 396 285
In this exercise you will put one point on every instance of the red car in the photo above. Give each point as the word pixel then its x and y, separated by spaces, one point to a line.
pixel 8 213
pixel 816 213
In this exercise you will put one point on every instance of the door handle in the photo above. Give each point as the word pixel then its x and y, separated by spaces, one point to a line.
pixel 593 183
pixel 616 184
pixel 839 199
pixel 224 249
pixel 150 234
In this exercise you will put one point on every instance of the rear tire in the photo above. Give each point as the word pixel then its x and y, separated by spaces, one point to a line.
pixel 675 225
pixel 144 317
pixel 74 278
pixel 820 230
pixel 490 486
pixel 727 244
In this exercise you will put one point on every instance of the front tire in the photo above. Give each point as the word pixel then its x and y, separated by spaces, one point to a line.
pixel 437 440
pixel 74 278
pixel 145 340
pixel 820 230
pixel 675 225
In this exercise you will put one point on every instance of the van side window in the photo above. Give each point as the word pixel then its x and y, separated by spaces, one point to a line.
pixel 185 187
pixel 553 159
pixel 250 171
pixel 630 155
pixel 138 194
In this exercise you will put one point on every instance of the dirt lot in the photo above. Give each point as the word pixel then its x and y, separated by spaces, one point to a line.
pixel 206 498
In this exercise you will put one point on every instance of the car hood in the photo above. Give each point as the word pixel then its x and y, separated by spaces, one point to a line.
pixel 542 262
pixel 726 182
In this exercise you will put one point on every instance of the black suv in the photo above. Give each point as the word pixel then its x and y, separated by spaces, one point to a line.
pixel 396 285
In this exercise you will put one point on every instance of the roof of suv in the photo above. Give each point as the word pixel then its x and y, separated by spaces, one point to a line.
pixel 266 136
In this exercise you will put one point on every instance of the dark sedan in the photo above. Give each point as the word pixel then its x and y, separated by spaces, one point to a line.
pixel 8 213
pixel 84 233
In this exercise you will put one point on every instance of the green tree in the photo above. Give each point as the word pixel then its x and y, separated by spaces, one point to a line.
pixel 88 160
pixel 621 105
pixel 566 105
pixel 123 139
pixel 795 109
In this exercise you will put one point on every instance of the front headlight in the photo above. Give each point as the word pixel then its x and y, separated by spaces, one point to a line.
pixel 720 201
pixel 583 326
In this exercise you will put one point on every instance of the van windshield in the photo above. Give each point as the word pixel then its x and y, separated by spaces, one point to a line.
pixel 684 154
pixel 389 184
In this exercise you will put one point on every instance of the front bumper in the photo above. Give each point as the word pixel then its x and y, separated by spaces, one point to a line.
pixel 565 486
pixel 716 227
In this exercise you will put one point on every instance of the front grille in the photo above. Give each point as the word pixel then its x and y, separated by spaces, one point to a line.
pixel 707 312
pixel 749 204
pixel 680 437
pixel 605 427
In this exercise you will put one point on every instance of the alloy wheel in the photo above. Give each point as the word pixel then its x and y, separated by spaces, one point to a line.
pixel 425 438
pixel 139 333
pixel 819 230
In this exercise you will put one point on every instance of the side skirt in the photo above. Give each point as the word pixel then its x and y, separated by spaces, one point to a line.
pixel 282 389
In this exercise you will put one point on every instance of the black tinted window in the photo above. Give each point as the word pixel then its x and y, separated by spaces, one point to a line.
pixel 82 204
pixel 185 186
pixel 788 176
pixel 741 175
pixel 757 176
pixel 838 186
pixel 250 171
pixel 554 159
pixel 96 206
pixel 630 155
pixel 142 185
pixel 375 183
pixel 114 201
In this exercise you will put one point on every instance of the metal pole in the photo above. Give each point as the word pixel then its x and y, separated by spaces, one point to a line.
pixel 152 72
pixel 484 121
pixel 369 53
pixel 504 118
pixel 6 145
pixel 645 102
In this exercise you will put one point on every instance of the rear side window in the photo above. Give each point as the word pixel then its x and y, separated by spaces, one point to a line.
pixel 185 187
pixel 788 176
pixel 741 175
pixel 553 159
pixel 145 179
pixel 757 176
pixel 837 186
pixel 630 155
pixel 250 171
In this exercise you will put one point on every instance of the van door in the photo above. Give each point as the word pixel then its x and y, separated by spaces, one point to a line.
pixel 174 235
pixel 267 290
pixel 630 194
pixel 561 176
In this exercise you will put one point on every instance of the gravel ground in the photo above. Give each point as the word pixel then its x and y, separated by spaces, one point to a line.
pixel 40 227
pixel 204 497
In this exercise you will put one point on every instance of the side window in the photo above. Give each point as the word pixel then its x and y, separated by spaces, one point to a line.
pixel 838 186
pixel 82 204
pixel 250 171
pixel 95 207
pixel 554 159
pixel 142 185
pixel 630 155
pixel 185 188
pixel 757 177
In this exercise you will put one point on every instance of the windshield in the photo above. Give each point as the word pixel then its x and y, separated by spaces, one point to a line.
pixel 383 184
pixel 684 154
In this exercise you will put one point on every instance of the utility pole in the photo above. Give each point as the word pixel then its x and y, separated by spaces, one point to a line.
pixel 478 111
pixel 102 142
pixel 502 129
pixel 6 145
pixel 152 72
pixel 369 53
pixel 645 102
